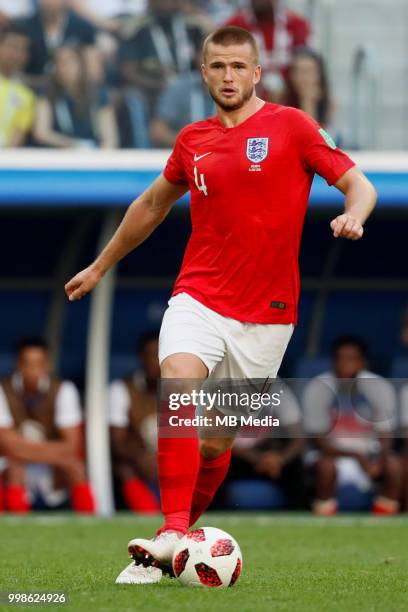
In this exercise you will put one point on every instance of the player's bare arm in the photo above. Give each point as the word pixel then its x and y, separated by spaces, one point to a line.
pixel 140 220
pixel 361 198
pixel 17 448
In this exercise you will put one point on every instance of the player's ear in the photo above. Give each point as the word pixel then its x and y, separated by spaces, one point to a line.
pixel 257 74
pixel 204 72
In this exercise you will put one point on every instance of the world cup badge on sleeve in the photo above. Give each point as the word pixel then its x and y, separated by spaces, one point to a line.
pixel 257 149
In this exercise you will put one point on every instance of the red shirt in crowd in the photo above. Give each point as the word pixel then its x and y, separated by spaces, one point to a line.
pixel 277 39
pixel 250 187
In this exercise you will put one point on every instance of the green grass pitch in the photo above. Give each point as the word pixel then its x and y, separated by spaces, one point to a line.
pixel 291 563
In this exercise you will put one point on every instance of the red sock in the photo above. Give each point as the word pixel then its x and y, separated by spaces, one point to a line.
pixel 139 497
pixel 211 474
pixel 16 499
pixel 82 498
pixel 178 468
pixel 2 506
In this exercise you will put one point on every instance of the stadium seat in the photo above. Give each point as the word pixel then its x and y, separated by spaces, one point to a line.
pixel 399 368
pixel 122 366
pixel 6 363
pixel 352 499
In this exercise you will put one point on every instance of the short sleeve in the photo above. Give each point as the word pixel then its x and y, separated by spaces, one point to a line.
pixel 382 398
pixel 318 150
pixel 174 171
pixel 404 406
pixel 68 406
pixel 289 409
pixel 316 402
pixel 102 97
pixel 85 31
pixel 5 416
pixel 25 115
pixel 119 404
pixel 301 32
pixel 169 104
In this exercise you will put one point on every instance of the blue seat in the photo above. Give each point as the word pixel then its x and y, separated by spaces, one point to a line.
pixel 399 368
pixel 7 361
pixel 122 365
pixel 248 494
pixel 352 499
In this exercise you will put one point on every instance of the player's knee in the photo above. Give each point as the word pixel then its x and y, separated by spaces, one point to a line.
pixel 183 366
pixel 212 448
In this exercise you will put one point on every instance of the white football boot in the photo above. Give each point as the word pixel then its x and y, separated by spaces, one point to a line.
pixel 138 574
pixel 157 552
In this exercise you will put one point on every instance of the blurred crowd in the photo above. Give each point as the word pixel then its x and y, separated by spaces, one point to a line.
pixel 342 441
pixel 126 73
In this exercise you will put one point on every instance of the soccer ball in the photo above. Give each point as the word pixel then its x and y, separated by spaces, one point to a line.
pixel 207 557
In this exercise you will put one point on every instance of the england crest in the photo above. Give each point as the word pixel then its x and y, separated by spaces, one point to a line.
pixel 257 149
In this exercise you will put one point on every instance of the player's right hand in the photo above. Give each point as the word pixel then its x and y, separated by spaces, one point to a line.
pixel 82 283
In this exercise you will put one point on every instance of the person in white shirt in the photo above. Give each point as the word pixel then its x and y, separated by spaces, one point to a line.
pixel 404 426
pixel 41 408
pixel 274 454
pixel 350 414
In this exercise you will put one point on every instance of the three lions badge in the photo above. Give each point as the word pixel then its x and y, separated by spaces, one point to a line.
pixel 257 149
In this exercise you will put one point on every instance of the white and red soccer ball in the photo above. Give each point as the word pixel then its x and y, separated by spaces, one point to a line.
pixel 207 557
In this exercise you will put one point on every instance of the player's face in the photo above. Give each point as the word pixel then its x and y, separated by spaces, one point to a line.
pixel 348 361
pixel 231 74
pixel 14 52
pixel 33 364
pixel 68 66
pixel 305 76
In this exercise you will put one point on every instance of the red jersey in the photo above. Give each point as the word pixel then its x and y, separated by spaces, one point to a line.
pixel 250 187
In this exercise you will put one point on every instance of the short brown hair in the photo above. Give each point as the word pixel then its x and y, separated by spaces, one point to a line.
pixel 231 35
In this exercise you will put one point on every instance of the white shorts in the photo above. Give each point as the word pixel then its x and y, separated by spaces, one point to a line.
pixel 229 348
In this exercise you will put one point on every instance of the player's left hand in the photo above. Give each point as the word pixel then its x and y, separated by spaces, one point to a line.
pixel 346 226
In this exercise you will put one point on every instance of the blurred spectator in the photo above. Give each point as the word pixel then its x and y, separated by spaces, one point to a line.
pixel 307 87
pixel 113 19
pixel 52 26
pixel 13 9
pixel 404 330
pixel 404 425
pixel 278 31
pixel 185 100
pixel 16 100
pixel 133 420
pixel 350 413
pixel 274 456
pixel 41 407
pixel 107 15
pixel 74 114
pixel 166 45
pixel 217 10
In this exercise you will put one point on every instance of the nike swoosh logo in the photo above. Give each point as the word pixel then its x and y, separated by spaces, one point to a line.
pixel 198 157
